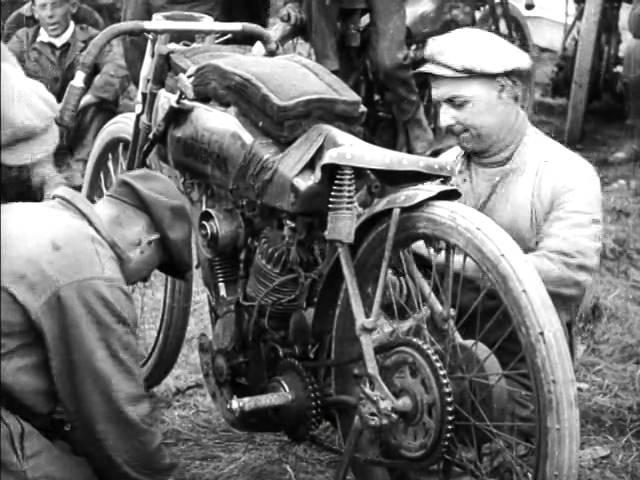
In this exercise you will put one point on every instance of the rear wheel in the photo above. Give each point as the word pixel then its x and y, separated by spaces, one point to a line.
pixel 493 394
pixel 163 303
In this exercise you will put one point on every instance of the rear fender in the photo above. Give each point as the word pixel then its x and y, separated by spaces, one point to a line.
pixel 332 283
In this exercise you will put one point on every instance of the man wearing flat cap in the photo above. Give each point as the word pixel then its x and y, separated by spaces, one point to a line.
pixel 73 403
pixel 545 196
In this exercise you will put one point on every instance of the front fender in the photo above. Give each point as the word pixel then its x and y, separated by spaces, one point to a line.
pixel 409 197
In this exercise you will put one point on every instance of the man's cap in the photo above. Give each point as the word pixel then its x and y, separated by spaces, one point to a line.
pixel 472 51
pixel 159 198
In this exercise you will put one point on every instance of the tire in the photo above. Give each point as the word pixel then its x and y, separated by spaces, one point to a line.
pixel 523 39
pixel 541 345
pixel 106 161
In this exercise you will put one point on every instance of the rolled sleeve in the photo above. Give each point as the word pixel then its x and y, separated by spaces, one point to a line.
pixel 87 327
pixel 568 246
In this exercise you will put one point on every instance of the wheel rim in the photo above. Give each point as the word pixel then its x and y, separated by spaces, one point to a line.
pixel 483 445
pixel 148 296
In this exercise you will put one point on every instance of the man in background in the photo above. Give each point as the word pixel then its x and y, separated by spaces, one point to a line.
pixel 24 17
pixel 49 52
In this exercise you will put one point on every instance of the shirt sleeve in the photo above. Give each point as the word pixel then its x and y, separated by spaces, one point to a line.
pixel 17 45
pixel 569 243
pixel 27 108
pixel 112 78
pixel 87 327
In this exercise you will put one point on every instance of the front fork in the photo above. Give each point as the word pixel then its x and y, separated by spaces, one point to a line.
pixel 381 405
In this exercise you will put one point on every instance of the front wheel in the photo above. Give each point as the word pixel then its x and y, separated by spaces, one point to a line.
pixel 163 303
pixel 493 393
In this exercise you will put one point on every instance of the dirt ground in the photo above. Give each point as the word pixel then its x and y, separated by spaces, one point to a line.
pixel 608 358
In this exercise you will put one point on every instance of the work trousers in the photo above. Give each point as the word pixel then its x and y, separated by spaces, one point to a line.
pixel 387 49
pixel 27 454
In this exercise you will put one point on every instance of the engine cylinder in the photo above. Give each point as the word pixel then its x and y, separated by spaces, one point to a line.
pixel 273 280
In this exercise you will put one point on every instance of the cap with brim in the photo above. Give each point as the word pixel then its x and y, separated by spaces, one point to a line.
pixel 158 197
pixel 472 51
pixel 33 150
pixel 439 70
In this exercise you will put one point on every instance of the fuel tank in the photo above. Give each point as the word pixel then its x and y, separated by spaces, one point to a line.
pixel 213 144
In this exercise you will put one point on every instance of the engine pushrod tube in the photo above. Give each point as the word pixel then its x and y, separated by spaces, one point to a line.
pixel 260 402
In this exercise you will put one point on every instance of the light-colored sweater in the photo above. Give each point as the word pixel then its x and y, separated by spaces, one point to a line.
pixel 549 200
pixel 29 133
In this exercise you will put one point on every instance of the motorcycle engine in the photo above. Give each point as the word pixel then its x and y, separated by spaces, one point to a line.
pixel 277 276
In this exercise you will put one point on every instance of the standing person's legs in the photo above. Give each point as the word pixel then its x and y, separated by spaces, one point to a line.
pixel 390 58
pixel 631 77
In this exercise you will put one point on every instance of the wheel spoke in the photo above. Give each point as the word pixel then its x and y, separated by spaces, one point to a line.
pixel 393 224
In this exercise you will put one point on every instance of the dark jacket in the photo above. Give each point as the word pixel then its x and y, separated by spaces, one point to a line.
pixel 68 344
pixel 23 18
pixel 55 67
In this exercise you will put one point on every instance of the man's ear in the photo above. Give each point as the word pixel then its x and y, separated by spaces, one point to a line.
pixel 74 6
pixel 508 89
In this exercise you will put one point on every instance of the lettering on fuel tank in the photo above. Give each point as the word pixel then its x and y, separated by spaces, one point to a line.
pixel 194 152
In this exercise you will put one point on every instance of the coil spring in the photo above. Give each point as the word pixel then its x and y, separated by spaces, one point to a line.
pixel 341 221
pixel 224 269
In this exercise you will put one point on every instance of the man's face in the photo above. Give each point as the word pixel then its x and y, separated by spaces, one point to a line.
pixel 54 15
pixel 474 110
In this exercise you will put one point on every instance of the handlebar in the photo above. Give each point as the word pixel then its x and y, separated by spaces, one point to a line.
pixel 77 87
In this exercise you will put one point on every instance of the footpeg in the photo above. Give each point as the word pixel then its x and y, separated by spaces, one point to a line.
pixel 259 402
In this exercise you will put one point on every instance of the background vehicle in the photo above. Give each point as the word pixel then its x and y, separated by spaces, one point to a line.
pixel 342 296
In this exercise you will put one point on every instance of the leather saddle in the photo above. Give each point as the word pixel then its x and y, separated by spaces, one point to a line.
pixel 283 96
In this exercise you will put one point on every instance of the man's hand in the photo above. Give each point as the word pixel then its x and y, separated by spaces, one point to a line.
pixel 292 14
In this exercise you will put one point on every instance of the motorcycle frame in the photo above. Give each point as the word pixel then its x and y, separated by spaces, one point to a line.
pixel 379 396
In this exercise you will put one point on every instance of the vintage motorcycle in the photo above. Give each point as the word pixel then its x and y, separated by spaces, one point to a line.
pixel 352 300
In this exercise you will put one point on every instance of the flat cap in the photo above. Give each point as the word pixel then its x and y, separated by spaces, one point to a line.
pixel 472 51
pixel 158 197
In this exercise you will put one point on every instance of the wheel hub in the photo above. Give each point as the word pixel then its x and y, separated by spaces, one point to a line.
pixel 412 370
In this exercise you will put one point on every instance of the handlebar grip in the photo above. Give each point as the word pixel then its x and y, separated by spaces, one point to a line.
pixel 69 106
